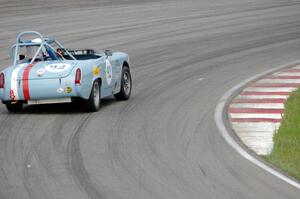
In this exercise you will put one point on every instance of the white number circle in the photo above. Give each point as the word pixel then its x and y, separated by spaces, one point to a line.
pixel 108 72
pixel 57 68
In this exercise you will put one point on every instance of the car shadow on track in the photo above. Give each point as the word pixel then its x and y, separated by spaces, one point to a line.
pixel 67 108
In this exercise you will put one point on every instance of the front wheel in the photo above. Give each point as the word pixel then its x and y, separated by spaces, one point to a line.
pixel 14 106
pixel 94 101
pixel 126 85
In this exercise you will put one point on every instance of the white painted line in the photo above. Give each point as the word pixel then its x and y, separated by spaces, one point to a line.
pixel 14 80
pixel 278 74
pixel 267 89
pixel 252 115
pixel 279 81
pixel 258 105
pixel 297 67
pixel 200 79
pixel 226 135
pixel 262 97
pixel 254 126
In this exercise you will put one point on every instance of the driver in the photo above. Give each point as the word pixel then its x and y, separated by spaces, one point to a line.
pixel 60 52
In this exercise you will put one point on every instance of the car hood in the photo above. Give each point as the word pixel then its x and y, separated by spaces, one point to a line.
pixel 44 70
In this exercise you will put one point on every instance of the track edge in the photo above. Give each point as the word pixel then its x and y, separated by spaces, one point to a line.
pixel 227 134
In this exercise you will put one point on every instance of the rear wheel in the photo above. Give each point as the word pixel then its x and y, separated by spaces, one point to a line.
pixel 14 106
pixel 94 101
pixel 126 85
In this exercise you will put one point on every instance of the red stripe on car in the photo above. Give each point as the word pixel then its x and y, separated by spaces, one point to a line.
pixel 25 81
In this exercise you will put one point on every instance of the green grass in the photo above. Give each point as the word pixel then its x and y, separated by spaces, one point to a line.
pixel 286 151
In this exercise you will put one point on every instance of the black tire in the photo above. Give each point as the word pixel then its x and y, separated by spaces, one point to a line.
pixel 126 85
pixel 14 106
pixel 94 101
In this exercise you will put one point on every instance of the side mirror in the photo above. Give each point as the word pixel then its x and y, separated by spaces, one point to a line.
pixel 108 53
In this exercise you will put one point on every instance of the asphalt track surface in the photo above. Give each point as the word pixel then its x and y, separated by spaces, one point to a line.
pixel 163 142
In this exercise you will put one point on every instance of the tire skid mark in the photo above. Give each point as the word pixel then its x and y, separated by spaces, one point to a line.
pixel 76 164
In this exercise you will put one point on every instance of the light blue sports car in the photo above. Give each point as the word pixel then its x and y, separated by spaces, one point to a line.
pixel 44 72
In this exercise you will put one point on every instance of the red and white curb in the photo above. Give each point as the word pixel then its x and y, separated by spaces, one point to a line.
pixel 255 114
pixel 226 132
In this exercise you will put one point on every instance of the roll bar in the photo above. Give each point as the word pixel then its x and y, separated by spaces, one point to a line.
pixel 19 37
pixel 40 41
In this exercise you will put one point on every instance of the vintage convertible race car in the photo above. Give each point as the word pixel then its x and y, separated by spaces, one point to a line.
pixel 44 72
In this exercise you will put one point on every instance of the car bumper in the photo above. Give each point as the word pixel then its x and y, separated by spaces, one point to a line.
pixel 49 101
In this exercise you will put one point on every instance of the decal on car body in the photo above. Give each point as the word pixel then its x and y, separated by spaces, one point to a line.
pixel 96 71
pixel 57 68
pixel 12 95
pixel 68 89
pixel 40 71
pixel 108 72
pixel 60 90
